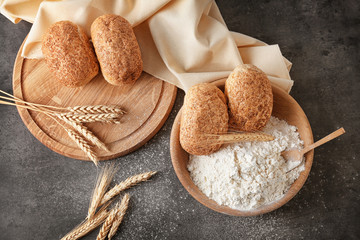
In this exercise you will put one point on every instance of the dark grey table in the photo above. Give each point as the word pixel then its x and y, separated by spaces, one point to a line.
pixel 43 195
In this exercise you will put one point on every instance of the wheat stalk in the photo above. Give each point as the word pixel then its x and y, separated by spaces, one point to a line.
pixel 119 216
pixel 93 109
pixel 129 182
pixel 104 179
pixel 105 228
pixel 214 139
pixel 87 226
pixel 83 144
pixel 30 107
pixel 87 118
pixel 87 134
pixel 13 98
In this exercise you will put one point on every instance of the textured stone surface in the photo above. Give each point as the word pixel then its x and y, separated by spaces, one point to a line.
pixel 43 194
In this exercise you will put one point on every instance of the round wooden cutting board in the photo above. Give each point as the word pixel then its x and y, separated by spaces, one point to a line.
pixel 147 104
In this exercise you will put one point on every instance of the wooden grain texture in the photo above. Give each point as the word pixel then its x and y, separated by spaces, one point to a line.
pixel 148 104
pixel 285 107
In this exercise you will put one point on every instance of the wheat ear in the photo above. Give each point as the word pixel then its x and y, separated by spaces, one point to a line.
pixel 83 144
pixel 87 118
pixel 104 179
pixel 87 226
pixel 128 183
pixel 119 216
pixel 105 228
pixel 87 134
pixel 95 109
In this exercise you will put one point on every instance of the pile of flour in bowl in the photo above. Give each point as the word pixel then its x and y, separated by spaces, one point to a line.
pixel 247 175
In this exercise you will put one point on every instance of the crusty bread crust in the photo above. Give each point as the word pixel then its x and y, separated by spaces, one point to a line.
pixel 117 49
pixel 69 54
pixel 204 112
pixel 250 98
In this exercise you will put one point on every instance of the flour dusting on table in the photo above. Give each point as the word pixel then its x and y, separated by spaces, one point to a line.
pixel 247 175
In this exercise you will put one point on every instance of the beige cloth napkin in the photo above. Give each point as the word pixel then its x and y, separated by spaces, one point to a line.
pixel 183 42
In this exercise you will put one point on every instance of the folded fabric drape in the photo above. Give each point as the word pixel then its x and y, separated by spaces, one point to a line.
pixel 183 42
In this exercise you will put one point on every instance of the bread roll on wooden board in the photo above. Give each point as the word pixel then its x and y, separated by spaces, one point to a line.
pixel 250 98
pixel 204 112
pixel 117 49
pixel 69 54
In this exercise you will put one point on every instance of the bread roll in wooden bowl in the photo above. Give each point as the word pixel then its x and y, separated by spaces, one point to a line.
pixel 204 111
pixel 286 108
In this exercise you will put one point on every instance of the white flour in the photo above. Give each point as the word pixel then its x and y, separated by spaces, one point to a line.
pixel 247 175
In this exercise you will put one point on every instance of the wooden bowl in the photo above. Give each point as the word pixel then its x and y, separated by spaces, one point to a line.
pixel 286 108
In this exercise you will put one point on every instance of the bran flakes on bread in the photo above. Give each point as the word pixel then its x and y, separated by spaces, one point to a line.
pixel 204 112
pixel 250 99
pixel 117 49
pixel 69 54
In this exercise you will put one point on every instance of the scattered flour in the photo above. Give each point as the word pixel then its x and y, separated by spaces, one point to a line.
pixel 247 175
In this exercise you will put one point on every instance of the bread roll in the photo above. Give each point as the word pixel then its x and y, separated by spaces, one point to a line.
pixel 69 54
pixel 250 98
pixel 204 112
pixel 117 49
